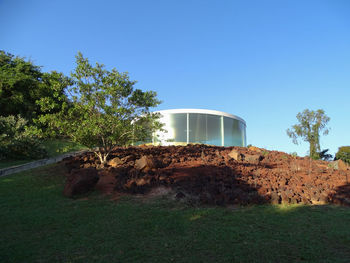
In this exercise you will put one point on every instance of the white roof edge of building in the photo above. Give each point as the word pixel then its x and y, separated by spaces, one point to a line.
pixel 212 112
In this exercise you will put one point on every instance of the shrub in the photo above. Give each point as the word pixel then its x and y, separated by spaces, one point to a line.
pixel 17 141
pixel 343 154
pixel 294 154
pixel 324 155
pixel 25 148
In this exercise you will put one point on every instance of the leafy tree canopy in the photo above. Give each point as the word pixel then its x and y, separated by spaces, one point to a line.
pixel 343 154
pixel 17 141
pixel 106 109
pixel 23 87
pixel 311 123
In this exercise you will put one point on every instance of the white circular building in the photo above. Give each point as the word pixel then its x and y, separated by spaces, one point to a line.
pixel 200 126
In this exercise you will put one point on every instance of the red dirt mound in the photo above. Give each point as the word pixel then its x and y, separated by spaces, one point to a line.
pixel 220 175
pixel 80 181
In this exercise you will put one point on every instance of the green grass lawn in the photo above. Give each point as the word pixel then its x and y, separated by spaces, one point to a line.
pixel 54 147
pixel 9 163
pixel 38 224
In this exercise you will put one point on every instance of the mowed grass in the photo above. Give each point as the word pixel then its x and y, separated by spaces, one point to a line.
pixel 39 224
pixel 9 163
pixel 54 147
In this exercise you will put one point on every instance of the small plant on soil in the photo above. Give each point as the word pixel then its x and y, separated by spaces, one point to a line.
pixel 294 154
pixel 265 153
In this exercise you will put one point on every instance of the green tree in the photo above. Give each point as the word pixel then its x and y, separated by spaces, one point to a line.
pixel 311 123
pixel 343 154
pixel 54 101
pixel 16 140
pixel 106 110
pixel 324 155
pixel 23 87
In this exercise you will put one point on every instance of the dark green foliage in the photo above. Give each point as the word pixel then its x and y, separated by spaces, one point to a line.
pixel 343 154
pixel 311 123
pixel 19 80
pixel 106 110
pixel 16 140
pixel 324 155
pixel 25 148
pixel 26 91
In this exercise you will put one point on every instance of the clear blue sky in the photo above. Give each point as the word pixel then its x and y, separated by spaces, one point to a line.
pixel 264 61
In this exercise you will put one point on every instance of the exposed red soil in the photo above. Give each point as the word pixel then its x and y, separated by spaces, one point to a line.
pixel 218 175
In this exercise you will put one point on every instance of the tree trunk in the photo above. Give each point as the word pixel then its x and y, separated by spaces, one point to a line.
pixel 313 148
pixel 102 157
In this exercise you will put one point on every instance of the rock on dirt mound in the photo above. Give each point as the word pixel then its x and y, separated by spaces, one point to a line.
pixel 217 175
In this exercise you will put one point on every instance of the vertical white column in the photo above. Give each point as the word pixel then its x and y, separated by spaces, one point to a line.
pixel 188 129
pixel 222 131
pixel 244 135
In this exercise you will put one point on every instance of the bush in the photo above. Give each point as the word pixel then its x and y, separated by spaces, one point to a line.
pixel 17 141
pixel 25 148
pixel 324 155
pixel 343 154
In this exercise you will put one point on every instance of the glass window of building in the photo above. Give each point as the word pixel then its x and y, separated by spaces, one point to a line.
pixel 201 126
pixel 178 126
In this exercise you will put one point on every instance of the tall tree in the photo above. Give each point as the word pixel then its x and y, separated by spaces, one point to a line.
pixel 106 109
pixel 311 124
pixel 23 85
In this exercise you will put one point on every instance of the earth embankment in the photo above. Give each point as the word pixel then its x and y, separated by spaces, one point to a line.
pixel 213 175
